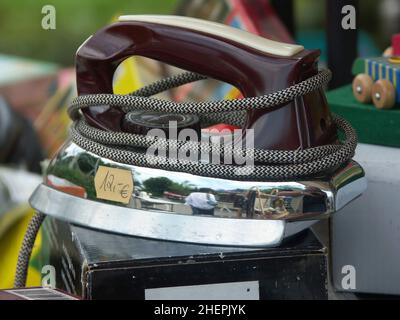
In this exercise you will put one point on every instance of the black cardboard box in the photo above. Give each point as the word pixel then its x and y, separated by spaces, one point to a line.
pixel 98 265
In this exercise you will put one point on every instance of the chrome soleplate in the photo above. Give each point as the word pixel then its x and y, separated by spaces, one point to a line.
pixel 176 227
pixel 277 210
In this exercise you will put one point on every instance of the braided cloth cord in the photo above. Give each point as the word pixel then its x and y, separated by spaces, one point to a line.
pixel 271 164
pixel 26 249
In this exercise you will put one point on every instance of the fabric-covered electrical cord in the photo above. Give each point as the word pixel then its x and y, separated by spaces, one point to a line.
pixel 271 164
pixel 133 101
pixel 26 249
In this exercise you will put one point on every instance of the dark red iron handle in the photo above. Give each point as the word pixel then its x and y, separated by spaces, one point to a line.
pixel 254 65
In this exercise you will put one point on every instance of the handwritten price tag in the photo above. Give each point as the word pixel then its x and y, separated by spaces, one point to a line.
pixel 113 184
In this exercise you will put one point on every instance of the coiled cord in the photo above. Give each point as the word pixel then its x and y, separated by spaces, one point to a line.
pixel 271 164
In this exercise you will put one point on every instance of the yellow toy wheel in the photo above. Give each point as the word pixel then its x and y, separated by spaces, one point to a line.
pixel 383 94
pixel 362 85
pixel 388 52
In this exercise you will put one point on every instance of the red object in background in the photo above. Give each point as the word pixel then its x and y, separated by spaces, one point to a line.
pixel 66 187
pixel 259 17
pixel 221 127
pixel 173 196
pixel 396 44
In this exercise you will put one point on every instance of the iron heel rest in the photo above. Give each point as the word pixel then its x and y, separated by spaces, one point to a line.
pixel 258 211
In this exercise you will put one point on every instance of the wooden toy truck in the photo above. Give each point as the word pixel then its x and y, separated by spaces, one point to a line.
pixel 378 79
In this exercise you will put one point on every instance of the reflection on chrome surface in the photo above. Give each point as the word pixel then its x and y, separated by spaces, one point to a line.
pixel 157 190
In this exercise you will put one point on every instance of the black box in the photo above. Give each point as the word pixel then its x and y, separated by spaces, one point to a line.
pixel 98 265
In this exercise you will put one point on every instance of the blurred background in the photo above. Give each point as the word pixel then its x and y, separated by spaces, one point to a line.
pixel 21 33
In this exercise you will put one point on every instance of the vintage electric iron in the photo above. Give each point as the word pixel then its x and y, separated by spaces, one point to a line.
pixel 104 178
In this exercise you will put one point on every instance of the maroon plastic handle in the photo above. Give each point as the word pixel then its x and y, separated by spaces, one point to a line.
pixel 302 123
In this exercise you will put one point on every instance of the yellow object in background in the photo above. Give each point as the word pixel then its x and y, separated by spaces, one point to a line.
pixel 11 237
pixel 126 78
pixel 234 93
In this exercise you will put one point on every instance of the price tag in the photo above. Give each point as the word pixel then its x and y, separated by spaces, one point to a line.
pixel 113 184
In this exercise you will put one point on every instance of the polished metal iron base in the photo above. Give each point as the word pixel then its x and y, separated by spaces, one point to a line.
pixel 177 227
pixel 248 213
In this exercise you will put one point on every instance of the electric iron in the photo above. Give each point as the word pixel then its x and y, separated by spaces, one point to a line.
pixel 104 178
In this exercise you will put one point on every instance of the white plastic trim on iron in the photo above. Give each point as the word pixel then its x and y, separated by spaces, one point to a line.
pixel 220 30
